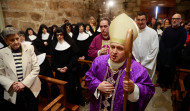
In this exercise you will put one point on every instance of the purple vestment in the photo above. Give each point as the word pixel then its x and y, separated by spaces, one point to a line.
pixel 96 45
pixel 139 76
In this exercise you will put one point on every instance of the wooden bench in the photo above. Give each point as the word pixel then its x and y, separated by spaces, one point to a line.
pixel 86 93
pixel 181 74
pixel 82 81
pixel 59 103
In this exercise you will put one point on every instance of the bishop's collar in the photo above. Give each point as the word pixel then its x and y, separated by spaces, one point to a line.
pixel 115 66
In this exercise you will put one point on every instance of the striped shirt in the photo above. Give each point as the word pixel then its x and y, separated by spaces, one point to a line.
pixel 18 63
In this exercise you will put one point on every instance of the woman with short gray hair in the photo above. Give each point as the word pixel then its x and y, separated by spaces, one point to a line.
pixel 19 72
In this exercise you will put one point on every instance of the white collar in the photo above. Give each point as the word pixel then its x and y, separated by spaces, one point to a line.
pixel 32 37
pixel 98 29
pixel 45 36
pixel 71 34
pixel 62 46
pixel 82 36
pixel 89 33
pixel 114 65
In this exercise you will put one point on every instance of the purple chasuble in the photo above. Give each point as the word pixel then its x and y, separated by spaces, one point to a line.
pixel 96 45
pixel 139 76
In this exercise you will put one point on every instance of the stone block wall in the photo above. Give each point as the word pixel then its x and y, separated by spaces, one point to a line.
pixel 31 13
pixel 132 8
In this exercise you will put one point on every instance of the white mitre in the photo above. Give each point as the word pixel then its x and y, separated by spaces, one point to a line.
pixel 119 27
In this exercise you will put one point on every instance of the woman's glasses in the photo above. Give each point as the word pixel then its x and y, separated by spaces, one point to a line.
pixel 59 34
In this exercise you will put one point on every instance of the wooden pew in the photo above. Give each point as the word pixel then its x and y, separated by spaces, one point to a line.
pixel 86 93
pixel 82 80
pixel 85 61
pixel 83 84
pixel 182 73
pixel 59 103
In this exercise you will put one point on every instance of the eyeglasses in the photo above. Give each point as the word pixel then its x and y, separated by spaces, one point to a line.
pixel 59 34
pixel 176 18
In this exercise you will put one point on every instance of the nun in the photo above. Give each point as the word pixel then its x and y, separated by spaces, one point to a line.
pixel 30 34
pixel 64 55
pixel 42 43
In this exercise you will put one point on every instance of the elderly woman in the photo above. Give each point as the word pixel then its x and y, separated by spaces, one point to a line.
pixel 64 58
pixel 19 72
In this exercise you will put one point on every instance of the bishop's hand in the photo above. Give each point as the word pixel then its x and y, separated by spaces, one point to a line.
pixel 105 87
pixel 128 86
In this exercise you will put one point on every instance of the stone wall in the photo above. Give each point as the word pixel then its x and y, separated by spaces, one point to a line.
pixel 2 23
pixel 148 6
pixel 132 8
pixel 31 13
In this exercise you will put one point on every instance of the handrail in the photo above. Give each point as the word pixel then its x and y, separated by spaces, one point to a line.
pixel 182 69
pixel 52 80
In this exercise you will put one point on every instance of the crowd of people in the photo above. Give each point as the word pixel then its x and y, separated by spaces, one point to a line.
pixel 159 45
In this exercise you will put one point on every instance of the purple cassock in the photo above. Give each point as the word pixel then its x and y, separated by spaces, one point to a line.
pixel 96 45
pixel 99 72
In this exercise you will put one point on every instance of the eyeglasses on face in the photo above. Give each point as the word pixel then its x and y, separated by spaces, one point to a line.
pixel 176 18
pixel 59 34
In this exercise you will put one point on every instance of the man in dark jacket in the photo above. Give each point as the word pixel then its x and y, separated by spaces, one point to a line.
pixel 171 43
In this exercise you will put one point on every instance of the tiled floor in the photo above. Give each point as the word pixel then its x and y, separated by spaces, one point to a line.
pixel 161 101
pixel 85 108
